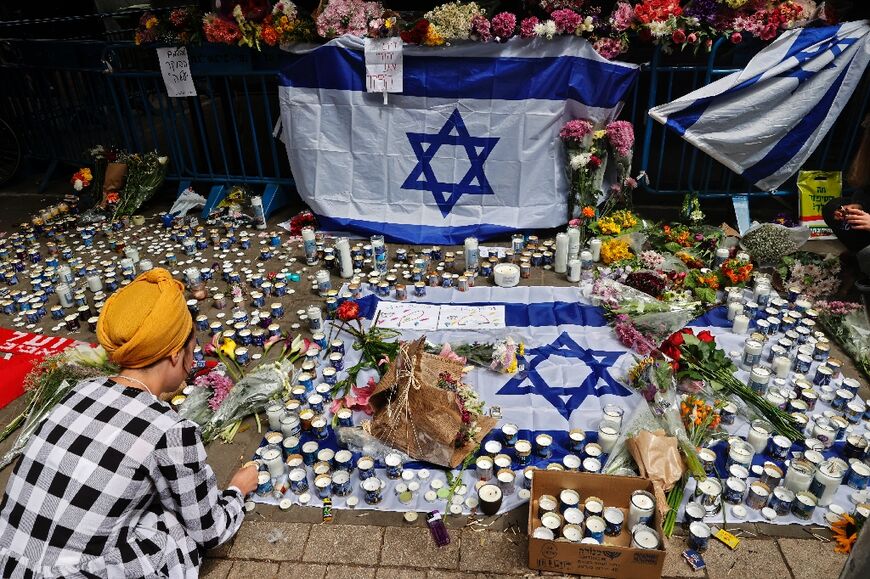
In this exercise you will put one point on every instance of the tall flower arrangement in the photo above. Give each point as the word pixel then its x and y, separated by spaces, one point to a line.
pixel 586 159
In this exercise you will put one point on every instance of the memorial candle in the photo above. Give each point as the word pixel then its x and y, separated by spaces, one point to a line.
pixel 560 264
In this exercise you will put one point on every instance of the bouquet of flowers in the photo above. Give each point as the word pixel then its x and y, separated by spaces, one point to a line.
pixel 501 356
pixel 81 179
pixel 620 138
pixel 180 27
pixel 229 393
pixel 735 272
pixel 817 276
pixel 145 175
pixel 587 159
pixel 653 378
pixel 347 17
pixel 220 30
pixel 453 20
pixel 697 358
pixel 846 323
pixel 376 351
pixel 47 384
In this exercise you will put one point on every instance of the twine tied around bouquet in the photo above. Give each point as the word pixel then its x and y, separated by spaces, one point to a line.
pixel 406 379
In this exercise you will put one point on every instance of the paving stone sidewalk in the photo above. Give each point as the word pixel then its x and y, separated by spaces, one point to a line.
pixel 263 550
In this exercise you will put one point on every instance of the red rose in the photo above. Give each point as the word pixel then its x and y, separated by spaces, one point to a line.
pixel 678 36
pixel 676 339
pixel 736 38
pixel 594 162
pixel 692 38
pixel 706 336
pixel 348 311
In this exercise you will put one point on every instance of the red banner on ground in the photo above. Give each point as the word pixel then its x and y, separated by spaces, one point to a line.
pixel 19 351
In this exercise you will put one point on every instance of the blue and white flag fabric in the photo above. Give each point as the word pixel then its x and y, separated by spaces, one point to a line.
pixel 766 120
pixel 572 367
pixel 471 147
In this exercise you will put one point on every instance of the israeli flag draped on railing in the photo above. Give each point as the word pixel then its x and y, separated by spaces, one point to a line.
pixel 766 120
pixel 471 146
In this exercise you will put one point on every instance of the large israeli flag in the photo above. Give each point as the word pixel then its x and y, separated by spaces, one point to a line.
pixel 470 147
pixel 766 120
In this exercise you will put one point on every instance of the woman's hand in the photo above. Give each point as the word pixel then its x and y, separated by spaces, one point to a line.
pixel 841 213
pixel 858 219
pixel 245 479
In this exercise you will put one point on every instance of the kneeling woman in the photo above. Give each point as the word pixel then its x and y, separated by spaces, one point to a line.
pixel 115 483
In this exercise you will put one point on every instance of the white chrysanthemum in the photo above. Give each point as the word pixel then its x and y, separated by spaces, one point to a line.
pixel 579 160
pixel 585 26
pixel 659 29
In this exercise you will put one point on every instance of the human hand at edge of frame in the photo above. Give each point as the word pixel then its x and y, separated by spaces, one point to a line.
pixel 859 220
pixel 844 210
pixel 245 479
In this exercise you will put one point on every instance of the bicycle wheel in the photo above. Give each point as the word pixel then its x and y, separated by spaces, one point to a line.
pixel 10 153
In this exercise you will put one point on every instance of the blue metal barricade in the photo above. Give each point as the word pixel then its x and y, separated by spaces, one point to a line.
pixel 673 166
pixel 63 97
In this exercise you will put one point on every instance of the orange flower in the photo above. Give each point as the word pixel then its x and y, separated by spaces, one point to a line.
pixel 113 197
pixel 589 211
pixel 270 35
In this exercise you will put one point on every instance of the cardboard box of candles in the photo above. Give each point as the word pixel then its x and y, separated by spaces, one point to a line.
pixel 582 523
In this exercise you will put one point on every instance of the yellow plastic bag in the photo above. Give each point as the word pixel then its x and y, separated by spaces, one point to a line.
pixel 815 189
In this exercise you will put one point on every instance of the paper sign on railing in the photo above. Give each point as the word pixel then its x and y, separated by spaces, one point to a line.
pixel 384 68
pixel 175 67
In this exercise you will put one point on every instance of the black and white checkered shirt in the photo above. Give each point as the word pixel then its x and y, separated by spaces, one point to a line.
pixel 113 484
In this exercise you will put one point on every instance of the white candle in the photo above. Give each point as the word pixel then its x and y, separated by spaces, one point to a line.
pixel 274 461
pixel 472 254
pixel 595 248
pixel 575 270
pixel 146 265
pixel 734 309
pixel 721 256
pixel 94 283
pixel 781 366
pixel 799 475
pixel 741 324
pixel 343 246
pixel 309 242
pixel 560 264
pixel 607 436
pixel 573 243
pixel 274 412
pixel 132 253
pixel 826 482
pixel 758 435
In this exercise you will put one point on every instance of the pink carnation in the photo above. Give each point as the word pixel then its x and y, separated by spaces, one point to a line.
pixel 480 27
pixel 609 48
pixel 503 25
pixel 621 137
pixel 575 131
pixel 527 27
pixel 566 21
pixel 622 17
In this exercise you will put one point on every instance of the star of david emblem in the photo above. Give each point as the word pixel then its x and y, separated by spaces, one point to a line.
pixel 425 147
pixel 597 383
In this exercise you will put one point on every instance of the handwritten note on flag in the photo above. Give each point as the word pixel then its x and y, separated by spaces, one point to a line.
pixel 175 67
pixel 384 65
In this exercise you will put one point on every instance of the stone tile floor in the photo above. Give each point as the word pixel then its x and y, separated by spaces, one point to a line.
pixel 263 550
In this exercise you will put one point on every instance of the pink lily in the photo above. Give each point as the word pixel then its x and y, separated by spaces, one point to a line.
pixel 447 352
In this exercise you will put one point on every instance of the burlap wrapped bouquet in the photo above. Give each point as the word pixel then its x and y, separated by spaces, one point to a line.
pixel 415 415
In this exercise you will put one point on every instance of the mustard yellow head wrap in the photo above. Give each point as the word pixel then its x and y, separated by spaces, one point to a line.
pixel 145 321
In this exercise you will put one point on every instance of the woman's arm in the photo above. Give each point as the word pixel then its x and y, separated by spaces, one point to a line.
pixel 188 487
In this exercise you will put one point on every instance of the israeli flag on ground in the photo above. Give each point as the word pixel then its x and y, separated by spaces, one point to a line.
pixel 471 146
pixel 766 120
